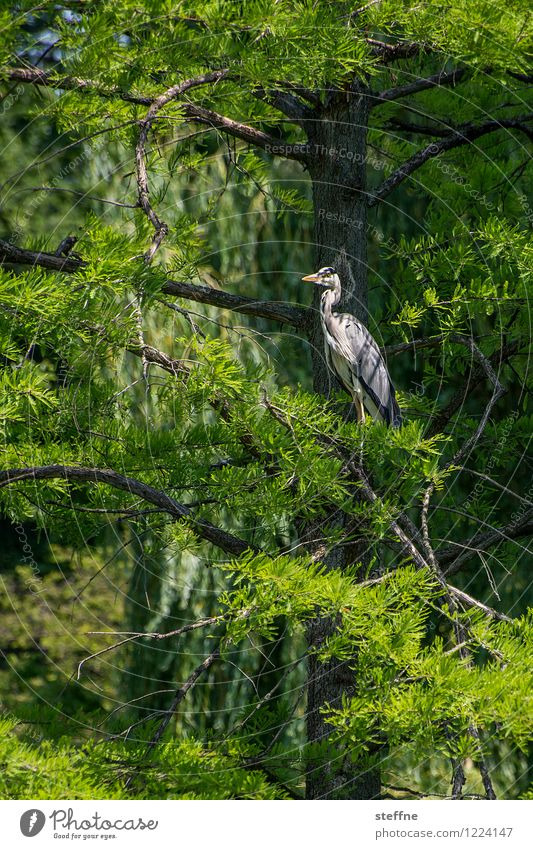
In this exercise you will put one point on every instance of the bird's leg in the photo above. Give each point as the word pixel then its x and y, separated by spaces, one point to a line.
pixel 359 409
pixel 360 412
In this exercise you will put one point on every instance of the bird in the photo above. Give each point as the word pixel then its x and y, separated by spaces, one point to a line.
pixel 353 355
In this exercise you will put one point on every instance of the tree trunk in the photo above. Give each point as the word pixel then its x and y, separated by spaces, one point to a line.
pixel 337 149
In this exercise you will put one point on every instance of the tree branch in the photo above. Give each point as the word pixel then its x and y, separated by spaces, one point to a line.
pixel 272 144
pixel 287 103
pixel 473 602
pixel 420 129
pixel 462 135
pixel 475 376
pixel 12 254
pixel 182 691
pixel 35 76
pixel 218 537
pixel 174 92
pixel 275 311
pixel 498 391
pixel 402 50
pixel 191 111
pixel 443 78
pixel 482 541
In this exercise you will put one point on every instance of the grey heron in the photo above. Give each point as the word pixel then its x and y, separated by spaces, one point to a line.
pixel 354 356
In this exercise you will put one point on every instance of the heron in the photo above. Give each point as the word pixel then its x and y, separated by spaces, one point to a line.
pixel 353 355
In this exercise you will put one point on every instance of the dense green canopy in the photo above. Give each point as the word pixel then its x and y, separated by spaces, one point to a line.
pixel 312 606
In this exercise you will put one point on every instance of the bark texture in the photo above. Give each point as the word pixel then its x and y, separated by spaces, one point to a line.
pixel 337 167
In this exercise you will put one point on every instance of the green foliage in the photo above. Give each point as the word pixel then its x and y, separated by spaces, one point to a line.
pixel 41 769
pixel 432 697
pixel 221 416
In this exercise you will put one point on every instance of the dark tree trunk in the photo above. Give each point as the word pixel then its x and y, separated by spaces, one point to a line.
pixel 337 149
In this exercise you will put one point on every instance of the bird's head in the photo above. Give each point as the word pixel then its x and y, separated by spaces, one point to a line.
pixel 326 277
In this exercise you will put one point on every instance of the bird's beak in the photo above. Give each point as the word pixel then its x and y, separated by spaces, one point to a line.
pixel 311 278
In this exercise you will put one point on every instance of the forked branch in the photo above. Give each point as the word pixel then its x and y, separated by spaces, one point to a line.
pixel 464 134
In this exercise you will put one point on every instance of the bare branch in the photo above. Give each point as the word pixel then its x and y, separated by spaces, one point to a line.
pixel 485 368
pixel 462 135
pixel 217 536
pixel 443 78
pixel 276 311
pixel 483 541
pixel 496 359
pixel 500 486
pixel 82 195
pixel 52 262
pixel 173 93
pixel 473 602
pixel 182 691
pixel 277 146
pixel 101 652
pixel 498 391
pixel 244 613
pixel 129 636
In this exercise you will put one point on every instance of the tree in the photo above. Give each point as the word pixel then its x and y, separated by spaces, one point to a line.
pixel 349 532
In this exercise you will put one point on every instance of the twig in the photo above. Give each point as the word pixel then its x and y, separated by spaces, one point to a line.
pixel 499 390
pixel 193 626
pixel 266 698
pixel 83 195
pixel 464 134
pixel 496 359
pixel 473 602
pixel 103 651
pixel 257 760
pixel 401 50
pixel 498 485
pixel 182 692
pixel 482 541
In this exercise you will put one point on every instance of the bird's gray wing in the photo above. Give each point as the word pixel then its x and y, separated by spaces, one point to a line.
pixel 355 343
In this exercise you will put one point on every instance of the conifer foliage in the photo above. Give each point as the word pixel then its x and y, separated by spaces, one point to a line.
pixel 332 610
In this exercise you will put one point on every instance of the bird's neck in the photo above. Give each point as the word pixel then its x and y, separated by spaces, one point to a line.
pixel 330 298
